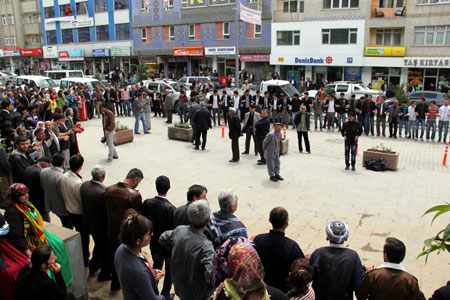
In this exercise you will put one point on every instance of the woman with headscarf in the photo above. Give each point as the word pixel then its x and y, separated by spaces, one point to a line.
pixel 11 261
pixel 27 230
pixel 245 279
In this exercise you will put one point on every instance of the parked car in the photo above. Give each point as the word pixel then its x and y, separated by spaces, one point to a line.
pixel 428 95
pixel 41 82
pixel 350 88
pixel 7 76
pixel 187 81
pixel 91 82
pixel 57 75
pixel 280 87
pixel 173 87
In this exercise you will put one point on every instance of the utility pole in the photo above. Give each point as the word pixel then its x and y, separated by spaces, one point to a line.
pixel 236 41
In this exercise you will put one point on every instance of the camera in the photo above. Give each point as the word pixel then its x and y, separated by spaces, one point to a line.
pixel 103 139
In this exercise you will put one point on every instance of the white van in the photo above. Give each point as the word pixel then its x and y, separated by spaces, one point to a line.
pixel 280 87
pixel 58 75
pixel 41 82
pixel 91 82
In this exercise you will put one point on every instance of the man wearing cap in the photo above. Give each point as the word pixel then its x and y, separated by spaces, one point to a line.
pixel 234 133
pixel 249 128
pixel 272 148
pixel 351 130
pixel 338 271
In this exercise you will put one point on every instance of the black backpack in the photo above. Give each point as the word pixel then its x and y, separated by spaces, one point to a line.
pixel 376 165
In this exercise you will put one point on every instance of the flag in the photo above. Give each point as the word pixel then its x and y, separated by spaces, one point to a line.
pixel 68 11
pixel 250 15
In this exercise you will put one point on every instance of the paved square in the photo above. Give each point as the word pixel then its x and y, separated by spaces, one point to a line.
pixel 315 191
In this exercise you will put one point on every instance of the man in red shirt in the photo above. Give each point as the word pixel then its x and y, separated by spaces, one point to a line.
pixel 433 112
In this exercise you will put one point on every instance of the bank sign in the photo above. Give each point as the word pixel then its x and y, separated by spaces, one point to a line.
pixel 314 60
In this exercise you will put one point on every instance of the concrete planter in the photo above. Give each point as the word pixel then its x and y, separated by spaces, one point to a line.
pixel 180 134
pixel 390 158
pixel 284 146
pixel 123 136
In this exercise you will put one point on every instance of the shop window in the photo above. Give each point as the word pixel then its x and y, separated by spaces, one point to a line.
pixel 102 33
pixel 391 3
pixel 120 4
pixel 432 35
pixel 67 36
pixel 293 6
pixel 51 37
pixel 288 38
pixel 339 36
pixel 167 5
pixel 84 35
pixel 82 8
pixel 433 2
pixel 101 5
pixel 389 37
pixel 49 12
pixel 122 31
pixel 334 4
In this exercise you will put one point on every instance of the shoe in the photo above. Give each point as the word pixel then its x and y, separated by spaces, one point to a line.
pixel 384 135
pixel 347 168
pixel 170 297
pixel 233 161
pixel 245 152
pixel 301 151
pixel 353 168
pixel 256 154
pixel 439 140
pixel 93 269
pixel 196 148
pixel 261 163
pixel 309 152
pixel 115 288
pixel 109 160
pixel 279 177
pixel 104 277
pixel 147 132
pixel 116 157
pixel 136 133
pixel 203 148
pixel 259 160
pixel 273 178
pixel 378 135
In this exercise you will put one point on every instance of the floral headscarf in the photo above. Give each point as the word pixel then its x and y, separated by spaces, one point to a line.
pixel 17 190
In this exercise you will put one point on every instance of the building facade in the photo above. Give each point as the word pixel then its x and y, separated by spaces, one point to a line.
pixel 376 41
pixel 21 36
pixel 198 36
pixel 92 35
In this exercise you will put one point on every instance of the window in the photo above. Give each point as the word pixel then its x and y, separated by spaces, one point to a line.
pixel 49 12
pixel 144 35
pixel 37 18
pixel 120 4
pixel 63 9
pixel 84 35
pixel 51 37
pixel 226 31
pixel 222 2
pixel 191 32
pixel 4 20
pixel 167 5
pixel 122 31
pixel 145 8
pixel 67 36
pixel 11 19
pixel 340 4
pixel 433 1
pixel 432 35
pixel 101 5
pixel 172 33
pixel 339 36
pixel 293 6
pixel 30 20
pixel 36 39
pixel 389 37
pixel 288 38
pixel 258 31
pixel 7 41
pixel 82 8
pixel 391 3
pixel 13 41
pixel 102 33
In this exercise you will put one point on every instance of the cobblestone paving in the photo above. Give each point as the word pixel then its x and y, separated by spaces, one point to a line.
pixel 315 191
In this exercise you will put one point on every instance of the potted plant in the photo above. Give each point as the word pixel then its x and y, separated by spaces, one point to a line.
pixel 180 131
pixel 123 134
pixel 382 152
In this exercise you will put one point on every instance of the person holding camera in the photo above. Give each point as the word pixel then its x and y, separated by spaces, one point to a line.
pixel 109 126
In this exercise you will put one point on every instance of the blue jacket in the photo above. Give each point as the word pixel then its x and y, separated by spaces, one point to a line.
pixel 262 128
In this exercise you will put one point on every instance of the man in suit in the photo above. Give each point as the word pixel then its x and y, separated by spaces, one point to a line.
pixel 272 148
pixel 32 179
pixel 369 107
pixel 302 120
pixel 246 100
pixel 295 106
pixel 258 100
pixel 88 97
pixel 50 183
pixel 249 128
pixel 20 159
pixel 94 214
pixel 202 123
pixel 168 105
pixel 194 108
pixel 262 128
pixel 225 105
pixel 73 148
pixel 381 110
pixel 275 106
pixel 160 212
pixel 213 104
pixel 64 136
pixel 286 107
pixel 234 132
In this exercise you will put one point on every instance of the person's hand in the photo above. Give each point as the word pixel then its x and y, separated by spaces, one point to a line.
pixel 308 255
pixel 158 275
pixel 356 138
pixel 52 137
pixel 28 253
pixel 55 268
pixel 345 138
pixel 70 131
pixel 66 138
pixel 106 133
pixel 370 268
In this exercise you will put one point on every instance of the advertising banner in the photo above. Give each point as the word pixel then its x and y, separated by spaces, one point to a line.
pixel 71 54
pixel 187 51
pixel 121 51
pixel 31 52
pixel 255 57
pixel 250 15
pixel 101 52
pixel 50 51
pixel 220 51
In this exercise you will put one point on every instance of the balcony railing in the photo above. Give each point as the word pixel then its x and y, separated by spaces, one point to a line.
pixel 282 16
pixel 381 12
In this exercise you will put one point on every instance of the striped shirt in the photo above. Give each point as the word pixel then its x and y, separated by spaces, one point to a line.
pixel 433 112
pixel 310 295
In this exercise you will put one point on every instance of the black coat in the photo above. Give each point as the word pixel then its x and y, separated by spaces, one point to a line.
pixel 6 125
pixel 53 148
pixel 351 130
pixel 38 286
pixel 94 212
pixel 202 120
pixel 297 119
pixel 234 128
pixel 32 179
pixel 18 165
pixel 16 235
pixel 62 143
pixel 262 128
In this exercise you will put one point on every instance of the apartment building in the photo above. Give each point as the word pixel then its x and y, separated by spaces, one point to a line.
pixel 21 36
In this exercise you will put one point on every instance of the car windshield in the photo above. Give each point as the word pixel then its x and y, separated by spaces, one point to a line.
pixel 289 89
pixel 93 84
pixel 45 83
pixel 175 86
pixel 7 73
pixel 76 74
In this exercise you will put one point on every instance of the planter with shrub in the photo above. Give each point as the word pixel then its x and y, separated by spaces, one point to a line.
pixel 123 135
pixel 381 152
pixel 180 131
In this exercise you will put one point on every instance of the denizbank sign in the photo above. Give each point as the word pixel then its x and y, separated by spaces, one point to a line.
pixel 316 60
pixel 312 60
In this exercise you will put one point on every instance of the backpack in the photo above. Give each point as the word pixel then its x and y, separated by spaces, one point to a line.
pixel 376 165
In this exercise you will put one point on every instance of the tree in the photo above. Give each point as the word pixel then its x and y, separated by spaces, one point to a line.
pixel 265 72
pixel 399 93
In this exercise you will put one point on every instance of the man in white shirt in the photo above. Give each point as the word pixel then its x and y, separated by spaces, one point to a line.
pixel 276 109
pixel 444 114
pixel 236 103
pixel 329 105
pixel 213 105
pixel 412 120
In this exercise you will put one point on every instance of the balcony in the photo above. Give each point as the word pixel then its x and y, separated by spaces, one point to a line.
pixel 29 7
pixel 388 8
pixel 34 28
pixel 281 16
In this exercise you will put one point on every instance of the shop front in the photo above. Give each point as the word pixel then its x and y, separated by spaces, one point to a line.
pixel 187 60
pixel 99 63
pixel 253 63
pixel 223 59
pixel 11 60
pixel 33 59
pixel 72 59
pixel 121 58
pixel 50 54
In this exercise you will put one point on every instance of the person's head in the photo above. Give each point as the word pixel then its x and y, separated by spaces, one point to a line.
pixel 231 111
pixel 369 97
pixel 196 192
pixel 395 103
pixel 433 103
pixel 135 230
pixel 303 109
pixel 337 232
pixel 252 109
pixel 300 275
pixel 215 92
pixel 274 96
pixel 134 177
pixel 404 103
pixel 58 118
pixel 22 109
pixel 277 127
pixel 104 107
pixel 413 103
pixel 236 93
pixel 352 97
pixel 21 131
pixel 446 102
pixel 22 144
pixel 228 201
pixel 44 162
pixel 279 218
pixel 264 113
pixel 351 116
pixel 42 258
pixel 342 95
pixel 18 193
pixel 98 173
pixel 422 100
pixel 58 160
pixel 199 213
pixel 382 99
pixel 362 98
pixel 69 112
pixel 394 250
pixel 162 184
pixel 76 163
pixel 6 104
pixel 48 126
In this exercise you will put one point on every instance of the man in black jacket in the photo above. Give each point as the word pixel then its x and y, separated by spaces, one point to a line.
pixel 302 120
pixel 6 125
pixel 32 179
pixel 262 128
pixel 382 108
pixel 234 133
pixel 351 132
pixel 202 123
pixel 225 104
pixel 20 159
pixel 160 212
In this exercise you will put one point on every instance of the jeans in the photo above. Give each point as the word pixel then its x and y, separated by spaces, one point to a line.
pixel 126 107
pixel 341 119
pixel 158 261
pixel 368 124
pixel 330 119
pixel 182 114
pixel 293 117
pixel 443 126
pixel 350 146
pixel 431 124
pixel 403 121
pixel 412 132
pixel 140 117
pixel 420 122
pixel 216 113
pixel 273 164
pixel 320 117
pixel 119 105
pixel 110 141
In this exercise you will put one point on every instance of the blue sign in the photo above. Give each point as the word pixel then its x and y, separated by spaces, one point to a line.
pixel 349 60
pixel 101 52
